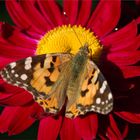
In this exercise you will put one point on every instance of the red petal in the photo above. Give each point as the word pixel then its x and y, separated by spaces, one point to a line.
pixel 113 132
pixel 68 131
pixel 87 126
pixel 16 119
pixel 34 15
pixel 105 17
pixel 138 20
pixel 11 99
pixel 5 61
pixel 137 2
pixel 19 17
pixel 130 71
pixel 124 58
pixel 15 37
pixel 128 45
pixel 49 128
pixel 122 35
pixel 84 12
pixel 125 132
pixel 14 52
pixel 9 95
pixel 51 12
pixel 1 81
pixel 34 35
pixel 71 9
pixel 130 117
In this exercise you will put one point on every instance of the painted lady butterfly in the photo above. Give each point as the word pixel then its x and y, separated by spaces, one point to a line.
pixel 62 78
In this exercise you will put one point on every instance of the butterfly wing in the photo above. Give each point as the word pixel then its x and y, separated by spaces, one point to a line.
pixel 94 94
pixel 40 75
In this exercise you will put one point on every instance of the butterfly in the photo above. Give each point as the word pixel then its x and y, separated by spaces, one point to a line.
pixel 62 79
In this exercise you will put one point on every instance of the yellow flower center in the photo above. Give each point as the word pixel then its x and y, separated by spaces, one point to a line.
pixel 69 39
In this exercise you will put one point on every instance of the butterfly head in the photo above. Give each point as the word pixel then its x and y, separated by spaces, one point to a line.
pixel 85 50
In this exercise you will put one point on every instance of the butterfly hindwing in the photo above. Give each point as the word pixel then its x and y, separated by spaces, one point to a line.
pixel 38 75
pixel 95 94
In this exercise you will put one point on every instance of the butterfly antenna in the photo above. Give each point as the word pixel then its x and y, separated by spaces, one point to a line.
pixel 65 14
pixel 77 36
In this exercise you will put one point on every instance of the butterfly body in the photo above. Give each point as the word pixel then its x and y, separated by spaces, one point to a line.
pixel 62 78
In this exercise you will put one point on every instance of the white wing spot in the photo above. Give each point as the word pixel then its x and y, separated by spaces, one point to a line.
pixel 12 71
pixel 103 103
pixel 23 76
pixel 25 85
pixel 7 74
pixel 27 67
pixel 16 75
pixel 16 84
pixel 109 96
pixel 102 89
pixel 28 60
pixel 106 101
pixel 93 107
pixel 13 65
pixel 98 100
pixel 98 110
pixel 106 108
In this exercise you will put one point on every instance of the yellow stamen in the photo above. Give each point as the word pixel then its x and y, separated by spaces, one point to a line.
pixel 68 38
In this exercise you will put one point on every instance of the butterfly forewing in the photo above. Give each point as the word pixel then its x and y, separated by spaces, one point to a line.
pixel 38 75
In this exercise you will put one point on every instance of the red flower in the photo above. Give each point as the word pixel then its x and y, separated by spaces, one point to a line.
pixel 119 63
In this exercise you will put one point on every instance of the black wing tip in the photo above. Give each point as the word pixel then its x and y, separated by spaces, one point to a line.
pixel 4 76
pixel 2 73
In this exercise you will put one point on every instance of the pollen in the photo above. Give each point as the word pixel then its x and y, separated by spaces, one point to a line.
pixel 68 39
